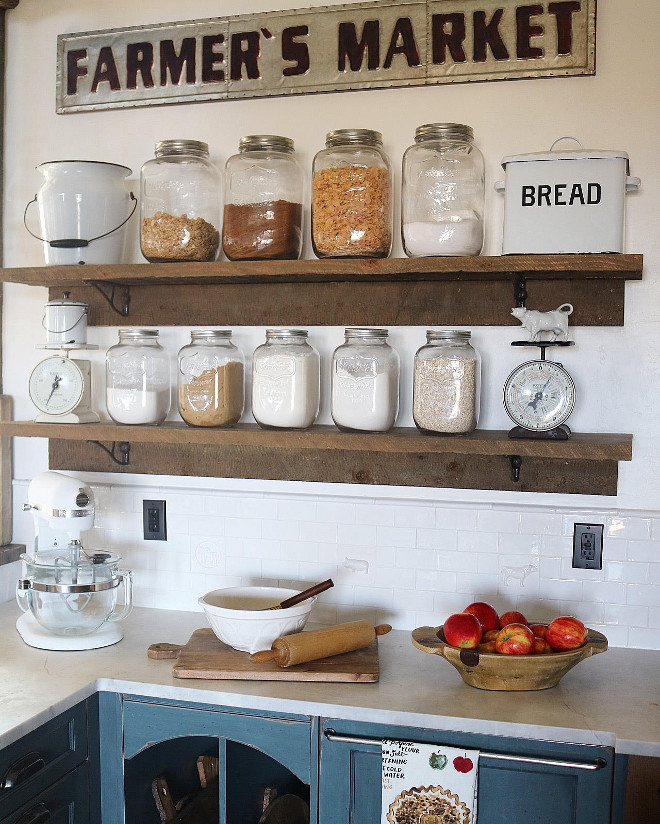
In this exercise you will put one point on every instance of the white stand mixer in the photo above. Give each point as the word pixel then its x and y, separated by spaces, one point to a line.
pixel 68 595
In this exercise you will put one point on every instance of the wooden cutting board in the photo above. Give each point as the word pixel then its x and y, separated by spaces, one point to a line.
pixel 205 656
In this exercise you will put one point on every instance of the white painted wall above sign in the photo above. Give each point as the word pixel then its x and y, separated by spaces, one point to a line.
pixel 333 48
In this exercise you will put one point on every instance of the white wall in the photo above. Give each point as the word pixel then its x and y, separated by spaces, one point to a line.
pixel 617 371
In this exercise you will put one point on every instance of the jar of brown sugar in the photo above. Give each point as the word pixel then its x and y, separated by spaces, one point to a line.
pixel 262 218
pixel 352 196
pixel 180 203
pixel 210 379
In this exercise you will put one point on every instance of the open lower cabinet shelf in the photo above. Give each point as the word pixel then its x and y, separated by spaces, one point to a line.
pixel 585 464
pixel 447 291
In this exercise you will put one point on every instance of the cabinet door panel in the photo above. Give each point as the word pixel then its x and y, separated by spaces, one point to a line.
pixel 41 757
pixel 66 802
pixel 511 791
pixel 287 740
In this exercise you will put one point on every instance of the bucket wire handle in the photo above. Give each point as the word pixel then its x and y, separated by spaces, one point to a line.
pixel 71 328
pixel 566 137
pixel 75 243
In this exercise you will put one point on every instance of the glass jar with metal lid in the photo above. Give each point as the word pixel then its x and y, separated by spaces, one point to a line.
pixel 180 203
pixel 210 379
pixel 352 196
pixel 365 382
pixel 442 192
pixel 137 378
pixel 446 383
pixel 263 191
pixel 285 380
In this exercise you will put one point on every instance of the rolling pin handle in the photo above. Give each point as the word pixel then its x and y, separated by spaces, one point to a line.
pixel 264 655
pixel 382 629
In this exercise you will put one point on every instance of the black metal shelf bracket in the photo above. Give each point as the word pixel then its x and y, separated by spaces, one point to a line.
pixel 520 292
pixel 516 466
pixel 124 297
pixel 124 451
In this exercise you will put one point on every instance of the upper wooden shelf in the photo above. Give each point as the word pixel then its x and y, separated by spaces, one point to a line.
pixel 586 464
pixel 471 291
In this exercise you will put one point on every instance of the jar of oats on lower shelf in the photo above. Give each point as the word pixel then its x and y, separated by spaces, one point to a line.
pixel 211 379
pixel 446 383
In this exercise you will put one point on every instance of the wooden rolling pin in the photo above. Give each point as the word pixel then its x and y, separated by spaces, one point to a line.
pixel 320 643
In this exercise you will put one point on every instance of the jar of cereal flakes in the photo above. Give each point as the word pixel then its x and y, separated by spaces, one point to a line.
pixel 352 196
pixel 180 203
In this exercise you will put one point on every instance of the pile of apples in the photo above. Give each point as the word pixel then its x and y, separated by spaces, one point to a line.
pixel 480 627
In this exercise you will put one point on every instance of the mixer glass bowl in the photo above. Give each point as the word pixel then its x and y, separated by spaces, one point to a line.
pixel 73 598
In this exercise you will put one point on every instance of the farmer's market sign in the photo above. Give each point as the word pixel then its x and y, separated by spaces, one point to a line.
pixel 331 48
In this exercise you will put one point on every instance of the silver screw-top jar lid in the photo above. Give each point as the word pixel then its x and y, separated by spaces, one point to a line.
pixel 364 332
pixel 210 334
pixel 196 148
pixel 138 334
pixel 443 131
pixel 265 142
pixel 448 334
pixel 352 137
pixel 291 334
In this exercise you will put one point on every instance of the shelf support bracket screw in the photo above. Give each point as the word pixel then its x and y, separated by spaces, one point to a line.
pixel 124 297
pixel 516 465
pixel 124 450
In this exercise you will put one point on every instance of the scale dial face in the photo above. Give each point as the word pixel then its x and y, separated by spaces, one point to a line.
pixel 56 385
pixel 539 395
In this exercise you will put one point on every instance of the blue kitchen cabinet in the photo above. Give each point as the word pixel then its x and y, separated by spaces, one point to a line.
pixel 143 739
pixel 520 781
pixel 45 775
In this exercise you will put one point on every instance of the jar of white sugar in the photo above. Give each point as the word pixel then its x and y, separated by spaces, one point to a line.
pixel 442 192
pixel 285 380
pixel 365 382
pixel 446 383
pixel 137 378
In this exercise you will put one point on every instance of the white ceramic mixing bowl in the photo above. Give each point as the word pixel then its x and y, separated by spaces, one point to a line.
pixel 240 617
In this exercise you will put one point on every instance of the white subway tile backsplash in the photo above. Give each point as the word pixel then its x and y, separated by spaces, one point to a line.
pixel 405 561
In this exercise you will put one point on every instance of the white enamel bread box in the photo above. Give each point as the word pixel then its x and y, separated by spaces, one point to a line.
pixel 564 202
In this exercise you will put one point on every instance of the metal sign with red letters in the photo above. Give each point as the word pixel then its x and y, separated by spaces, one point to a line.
pixel 327 49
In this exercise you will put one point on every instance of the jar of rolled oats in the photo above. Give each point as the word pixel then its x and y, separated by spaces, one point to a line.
pixel 352 196
pixel 180 203
pixel 446 383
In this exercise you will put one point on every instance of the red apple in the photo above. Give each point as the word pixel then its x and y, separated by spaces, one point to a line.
pixel 566 633
pixel 462 630
pixel 490 635
pixel 487 646
pixel 512 618
pixel 539 630
pixel 541 646
pixel 487 615
pixel 515 639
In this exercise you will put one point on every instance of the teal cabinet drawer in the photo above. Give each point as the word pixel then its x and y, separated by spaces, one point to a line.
pixel 65 802
pixel 42 757
pixel 286 739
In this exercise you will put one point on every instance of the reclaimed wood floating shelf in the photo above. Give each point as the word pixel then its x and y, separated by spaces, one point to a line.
pixel 585 464
pixel 470 291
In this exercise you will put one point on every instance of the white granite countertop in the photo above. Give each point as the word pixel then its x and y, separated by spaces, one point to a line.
pixel 611 699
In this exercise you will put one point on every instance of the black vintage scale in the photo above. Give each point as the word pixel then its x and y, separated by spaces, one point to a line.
pixel 539 396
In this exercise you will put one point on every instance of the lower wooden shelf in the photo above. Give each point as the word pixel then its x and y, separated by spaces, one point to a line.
pixel 587 464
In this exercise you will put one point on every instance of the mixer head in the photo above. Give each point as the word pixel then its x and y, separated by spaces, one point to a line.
pixel 60 504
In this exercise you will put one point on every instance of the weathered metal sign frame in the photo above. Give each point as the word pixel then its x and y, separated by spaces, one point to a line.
pixel 365 45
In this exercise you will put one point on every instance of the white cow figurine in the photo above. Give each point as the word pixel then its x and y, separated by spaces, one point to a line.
pixel 555 322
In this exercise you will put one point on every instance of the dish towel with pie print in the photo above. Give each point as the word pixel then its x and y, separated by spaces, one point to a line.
pixel 428 784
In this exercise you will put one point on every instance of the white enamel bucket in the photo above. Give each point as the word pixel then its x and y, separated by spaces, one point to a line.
pixel 65 322
pixel 83 208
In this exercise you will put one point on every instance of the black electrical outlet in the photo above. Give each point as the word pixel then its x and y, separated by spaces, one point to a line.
pixel 153 520
pixel 588 546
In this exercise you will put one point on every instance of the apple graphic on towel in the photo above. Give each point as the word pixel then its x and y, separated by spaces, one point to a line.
pixel 487 615
pixel 515 639
pixel 512 617
pixel 566 633
pixel 463 765
pixel 462 630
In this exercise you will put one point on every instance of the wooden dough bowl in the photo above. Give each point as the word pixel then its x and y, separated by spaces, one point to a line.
pixel 491 671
